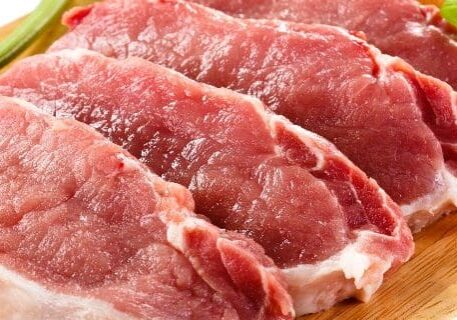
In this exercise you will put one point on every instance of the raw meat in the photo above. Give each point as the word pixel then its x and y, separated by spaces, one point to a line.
pixel 87 232
pixel 333 231
pixel 396 124
pixel 401 28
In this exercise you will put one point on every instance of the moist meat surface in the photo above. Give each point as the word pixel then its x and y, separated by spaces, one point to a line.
pixel 392 121
pixel 249 170
pixel 401 28
pixel 103 237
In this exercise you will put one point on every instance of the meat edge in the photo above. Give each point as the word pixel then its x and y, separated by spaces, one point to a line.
pixel 354 271
pixel 173 212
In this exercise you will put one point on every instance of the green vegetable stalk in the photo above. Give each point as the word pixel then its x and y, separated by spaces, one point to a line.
pixel 29 29
pixel 449 11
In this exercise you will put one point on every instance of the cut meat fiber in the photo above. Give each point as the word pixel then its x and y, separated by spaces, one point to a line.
pixel 401 28
pixel 88 232
pixel 396 124
pixel 332 231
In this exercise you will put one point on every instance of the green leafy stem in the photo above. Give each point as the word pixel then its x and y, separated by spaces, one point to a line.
pixel 449 11
pixel 29 29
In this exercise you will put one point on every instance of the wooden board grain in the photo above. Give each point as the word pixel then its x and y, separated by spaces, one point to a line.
pixel 424 289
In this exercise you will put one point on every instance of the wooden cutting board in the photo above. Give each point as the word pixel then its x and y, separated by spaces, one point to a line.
pixel 424 288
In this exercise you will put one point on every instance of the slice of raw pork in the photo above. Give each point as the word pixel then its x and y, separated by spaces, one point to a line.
pixel 88 232
pixel 396 124
pixel 332 230
pixel 401 28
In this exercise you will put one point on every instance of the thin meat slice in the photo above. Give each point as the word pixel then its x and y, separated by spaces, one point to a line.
pixel 396 124
pixel 332 231
pixel 401 28
pixel 88 232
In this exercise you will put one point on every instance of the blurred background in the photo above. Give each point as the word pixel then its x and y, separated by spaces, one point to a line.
pixel 10 12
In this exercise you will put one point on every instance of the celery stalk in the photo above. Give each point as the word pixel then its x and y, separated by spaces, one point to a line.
pixel 449 11
pixel 29 29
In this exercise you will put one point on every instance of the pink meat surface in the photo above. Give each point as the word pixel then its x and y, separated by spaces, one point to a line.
pixel 87 232
pixel 396 124
pixel 401 28
pixel 333 231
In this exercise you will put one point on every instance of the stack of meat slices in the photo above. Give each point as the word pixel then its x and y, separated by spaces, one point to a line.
pixel 331 230
pixel 89 232
pixel 395 123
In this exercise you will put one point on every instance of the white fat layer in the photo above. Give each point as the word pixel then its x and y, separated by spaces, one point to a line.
pixel 351 272
pixel 23 299
pixel 176 230
pixel 175 236
pixel 313 141
pixel 426 209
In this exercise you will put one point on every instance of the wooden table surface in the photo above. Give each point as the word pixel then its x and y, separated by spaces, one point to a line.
pixel 424 288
